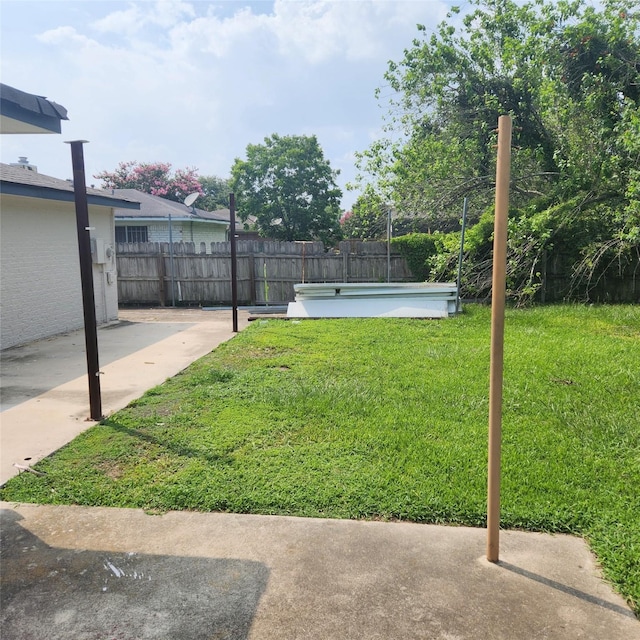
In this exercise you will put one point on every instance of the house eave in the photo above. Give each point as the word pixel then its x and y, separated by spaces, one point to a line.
pixel 29 123
pixel 48 193
pixel 22 112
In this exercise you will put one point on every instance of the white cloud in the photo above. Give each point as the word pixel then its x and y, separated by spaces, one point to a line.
pixel 127 22
pixel 317 31
pixel 63 36
pixel 224 37
pixel 312 31
pixel 194 83
pixel 163 13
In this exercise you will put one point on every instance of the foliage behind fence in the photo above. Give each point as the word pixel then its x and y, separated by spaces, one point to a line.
pixel 267 270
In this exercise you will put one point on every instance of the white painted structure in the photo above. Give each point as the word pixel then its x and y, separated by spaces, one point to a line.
pixel 393 300
pixel 151 222
pixel 40 289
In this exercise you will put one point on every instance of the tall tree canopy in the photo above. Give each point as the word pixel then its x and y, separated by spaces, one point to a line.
pixel 569 75
pixel 368 218
pixel 288 187
pixel 215 193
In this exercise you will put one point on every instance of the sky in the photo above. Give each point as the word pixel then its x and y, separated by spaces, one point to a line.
pixel 193 83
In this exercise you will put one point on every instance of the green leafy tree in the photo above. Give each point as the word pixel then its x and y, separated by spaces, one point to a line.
pixel 368 218
pixel 569 75
pixel 565 74
pixel 449 91
pixel 154 178
pixel 215 193
pixel 288 188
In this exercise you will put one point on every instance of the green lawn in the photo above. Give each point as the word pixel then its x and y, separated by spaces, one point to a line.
pixel 387 418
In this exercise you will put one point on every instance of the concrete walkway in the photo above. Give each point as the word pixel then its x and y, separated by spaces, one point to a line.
pixel 88 573
pixel 76 572
pixel 44 389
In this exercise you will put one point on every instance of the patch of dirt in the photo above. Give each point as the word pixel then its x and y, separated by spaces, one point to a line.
pixel 110 469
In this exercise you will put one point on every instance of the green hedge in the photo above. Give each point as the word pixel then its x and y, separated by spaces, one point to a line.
pixel 417 248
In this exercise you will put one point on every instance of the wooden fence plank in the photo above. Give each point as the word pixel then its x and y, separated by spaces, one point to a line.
pixel 203 273
pixel 267 270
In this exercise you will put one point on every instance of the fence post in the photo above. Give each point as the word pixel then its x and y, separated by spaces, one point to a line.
pixel 543 285
pixel 345 260
pixel 252 277
pixel 161 281
pixel 234 262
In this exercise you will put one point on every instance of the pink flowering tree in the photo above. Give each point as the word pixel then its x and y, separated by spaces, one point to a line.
pixel 345 216
pixel 154 178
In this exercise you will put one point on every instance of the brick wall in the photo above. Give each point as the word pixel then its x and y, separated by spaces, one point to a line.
pixel 192 231
pixel 40 292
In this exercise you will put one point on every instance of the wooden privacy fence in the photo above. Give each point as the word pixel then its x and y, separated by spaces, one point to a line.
pixel 267 270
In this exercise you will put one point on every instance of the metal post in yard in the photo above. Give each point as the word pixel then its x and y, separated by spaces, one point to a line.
pixel 389 245
pixel 234 261
pixel 173 276
pixel 464 225
pixel 86 278
pixel 503 171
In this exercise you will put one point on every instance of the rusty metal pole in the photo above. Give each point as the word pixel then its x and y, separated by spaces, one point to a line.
pixel 503 176
pixel 234 261
pixel 86 278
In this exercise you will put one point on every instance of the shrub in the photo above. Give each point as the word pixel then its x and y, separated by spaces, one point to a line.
pixel 417 249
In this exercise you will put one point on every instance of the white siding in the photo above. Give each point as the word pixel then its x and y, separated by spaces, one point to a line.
pixel 40 292
pixel 204 232
pixel 182 231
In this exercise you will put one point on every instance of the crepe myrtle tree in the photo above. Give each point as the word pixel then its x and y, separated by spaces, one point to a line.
pixel 289 188
pixel 155 178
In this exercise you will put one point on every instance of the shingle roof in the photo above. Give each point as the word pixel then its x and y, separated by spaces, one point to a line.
pixel 157 207
pixel 22 182
pixel 23 112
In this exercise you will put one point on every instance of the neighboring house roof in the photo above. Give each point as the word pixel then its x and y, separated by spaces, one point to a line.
pixel 157 208
pixel 22 112
pixel 22 182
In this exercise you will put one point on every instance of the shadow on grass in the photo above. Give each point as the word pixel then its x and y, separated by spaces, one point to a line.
pixel 174 447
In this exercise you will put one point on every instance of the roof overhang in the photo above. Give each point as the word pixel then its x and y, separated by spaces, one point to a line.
pixel 22 112
pixel 47 193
